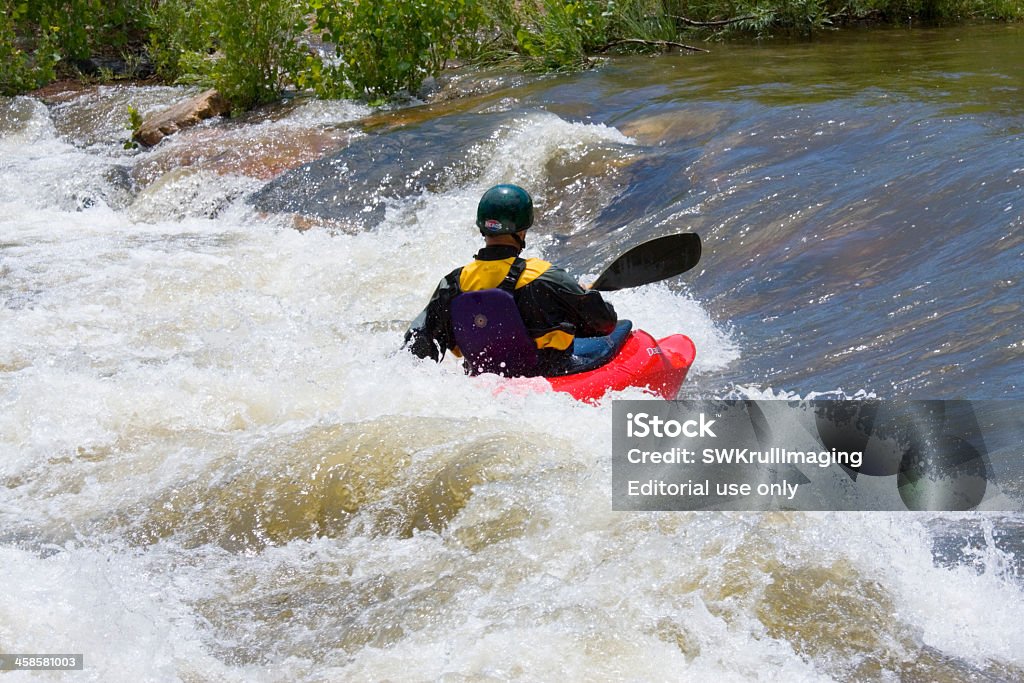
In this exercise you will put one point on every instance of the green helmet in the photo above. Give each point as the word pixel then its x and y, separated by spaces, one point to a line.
pixel 504 210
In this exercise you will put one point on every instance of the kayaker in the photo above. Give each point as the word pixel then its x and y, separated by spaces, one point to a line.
pixel 554 308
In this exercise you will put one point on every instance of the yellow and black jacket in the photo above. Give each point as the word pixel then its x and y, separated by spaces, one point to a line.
pixel 554 307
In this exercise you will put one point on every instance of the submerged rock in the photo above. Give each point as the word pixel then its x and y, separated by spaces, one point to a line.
pixel 260 152
pixel 184 115
pixel 692 125
pixel 587 179
pixel 60 91
pixel 353 186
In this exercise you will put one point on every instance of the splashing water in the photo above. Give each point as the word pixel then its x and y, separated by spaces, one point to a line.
pixel 217 464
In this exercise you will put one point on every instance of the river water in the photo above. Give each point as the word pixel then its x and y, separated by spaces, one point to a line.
pixel 217 465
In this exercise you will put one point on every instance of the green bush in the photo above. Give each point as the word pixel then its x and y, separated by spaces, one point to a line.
pixel 387 46
pixel 88 27
pixel 252 49
pixel 38 35
pixel 181 38
pixel 558 35
pixel 259 45
pixel 247 49
pixel 644 19
pixel 26 62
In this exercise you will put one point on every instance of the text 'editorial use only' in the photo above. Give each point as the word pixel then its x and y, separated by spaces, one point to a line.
pixel 817 455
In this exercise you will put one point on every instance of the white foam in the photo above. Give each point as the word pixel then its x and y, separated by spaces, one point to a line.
pixel 531 142
pixel 142 351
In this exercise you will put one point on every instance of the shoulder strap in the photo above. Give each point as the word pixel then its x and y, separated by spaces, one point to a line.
pixel 509 283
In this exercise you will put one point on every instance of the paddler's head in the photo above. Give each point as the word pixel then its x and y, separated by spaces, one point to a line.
pixel 504 215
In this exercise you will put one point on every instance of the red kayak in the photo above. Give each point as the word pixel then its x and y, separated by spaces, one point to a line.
pixel 659 366
pixel 494 340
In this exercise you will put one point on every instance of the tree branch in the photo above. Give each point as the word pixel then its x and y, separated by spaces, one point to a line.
pixel 709 24
pixel 664 44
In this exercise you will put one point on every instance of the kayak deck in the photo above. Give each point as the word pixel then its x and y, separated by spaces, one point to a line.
pixel 658 365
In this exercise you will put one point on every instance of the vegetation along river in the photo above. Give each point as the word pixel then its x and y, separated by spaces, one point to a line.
pixel 216 464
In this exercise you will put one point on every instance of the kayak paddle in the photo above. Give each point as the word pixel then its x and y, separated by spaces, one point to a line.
pixel 650 262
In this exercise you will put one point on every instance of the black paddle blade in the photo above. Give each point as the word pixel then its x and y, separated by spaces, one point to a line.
pixel 651 262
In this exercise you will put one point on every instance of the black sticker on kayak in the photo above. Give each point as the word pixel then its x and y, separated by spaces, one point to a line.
pixel 818 455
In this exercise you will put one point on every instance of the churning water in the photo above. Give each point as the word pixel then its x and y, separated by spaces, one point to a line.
pixel 216 464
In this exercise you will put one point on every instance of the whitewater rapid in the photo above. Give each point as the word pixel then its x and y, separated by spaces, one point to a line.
pixel 216 464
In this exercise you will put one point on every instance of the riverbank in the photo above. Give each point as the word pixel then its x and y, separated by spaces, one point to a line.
pixel 251 51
